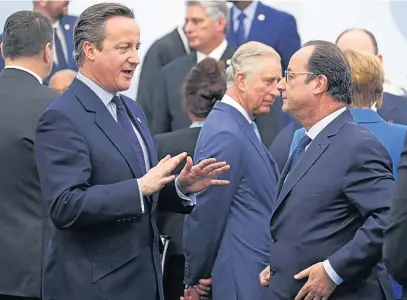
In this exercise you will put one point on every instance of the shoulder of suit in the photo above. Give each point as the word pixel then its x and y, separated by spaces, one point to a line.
pixel 276 14
pixel 68 19
pixel 179 62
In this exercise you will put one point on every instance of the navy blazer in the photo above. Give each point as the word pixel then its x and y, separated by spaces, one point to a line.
pixel 102 245
pixel 277 29
pixel 227 234
pixel 340 192
pixel 67 24
pixel 394 109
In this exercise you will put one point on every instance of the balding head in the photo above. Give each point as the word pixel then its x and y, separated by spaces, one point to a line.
pixel 61 80
pixel 358 39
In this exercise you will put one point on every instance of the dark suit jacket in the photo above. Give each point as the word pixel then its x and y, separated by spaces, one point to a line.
pixel 161 52
pixel 394 109
pixel 22 215
pixel 340 189
pixel 67 24
pixel 168 113
pixel 278 29
pixel 226 236
pixel 395 241
pixel 174 143
pixel 102 245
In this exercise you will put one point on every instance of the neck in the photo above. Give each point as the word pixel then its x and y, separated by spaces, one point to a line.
pixel 194 118
pixel 242 5
pixel 207 49
pixel 31 64
pixel 316 114
pixel 237 96
pixel 91 75
pixel 46 13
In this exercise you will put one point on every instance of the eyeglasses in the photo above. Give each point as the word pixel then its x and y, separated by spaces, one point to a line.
pixel 286 73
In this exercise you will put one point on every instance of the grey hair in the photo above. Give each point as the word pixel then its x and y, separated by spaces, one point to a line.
pixel 90 26
pixel 214 9
pixel 246 59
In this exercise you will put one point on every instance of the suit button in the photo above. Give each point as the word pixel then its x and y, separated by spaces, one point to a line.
pixel 273 239
pixel 273 271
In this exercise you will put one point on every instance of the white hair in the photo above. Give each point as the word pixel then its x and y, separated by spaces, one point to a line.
pixel 214 9
pixel 246 59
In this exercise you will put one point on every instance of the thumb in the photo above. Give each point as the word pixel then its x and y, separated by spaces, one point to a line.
pixel 303 274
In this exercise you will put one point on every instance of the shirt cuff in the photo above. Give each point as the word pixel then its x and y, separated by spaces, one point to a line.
pixel 331 273
pixel 141 197
pixel 187 200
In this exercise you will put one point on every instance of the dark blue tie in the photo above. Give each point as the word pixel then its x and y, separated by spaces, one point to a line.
pixel 125 123
pixel 60 53
pixel 241 31
pixel 299 151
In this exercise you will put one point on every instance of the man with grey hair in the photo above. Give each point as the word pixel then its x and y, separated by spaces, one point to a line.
pixel 227 235
pixel 100 175
pixel 205 28
pixel 27 49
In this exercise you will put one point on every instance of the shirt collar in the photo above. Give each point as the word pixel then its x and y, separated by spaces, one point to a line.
pixel 57 25
pixel 105 96
pixel 249 11
pixel 232 102
pixel 184 38
pixel 215 54
pixel 26 70
pixel 319 126
pixel 197 124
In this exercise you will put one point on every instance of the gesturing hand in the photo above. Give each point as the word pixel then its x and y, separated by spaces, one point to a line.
pixel 318 286
pixel 160 175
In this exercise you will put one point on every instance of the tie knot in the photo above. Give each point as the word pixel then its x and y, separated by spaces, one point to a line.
pixel 303 143
pixel 117 101
pixel 241 16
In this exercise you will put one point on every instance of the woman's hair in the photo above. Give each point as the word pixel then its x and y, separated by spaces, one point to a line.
pixel 203 86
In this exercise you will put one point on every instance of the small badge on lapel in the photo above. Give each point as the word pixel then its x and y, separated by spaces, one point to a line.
pixel 261 17
pixel 228 62
pixel 320 146
pixel 138 120
pixel 67 26
pixel 390 121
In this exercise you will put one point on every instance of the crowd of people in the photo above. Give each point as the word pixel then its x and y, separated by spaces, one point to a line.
pixel 271 169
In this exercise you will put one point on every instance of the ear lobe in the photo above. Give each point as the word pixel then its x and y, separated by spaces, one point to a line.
pixel 321 84
pixel 89 51
pixel 1 49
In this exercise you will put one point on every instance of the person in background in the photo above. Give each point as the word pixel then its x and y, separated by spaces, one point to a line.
pixel 333 194
pixel 61 80
pixel 28 53
pixel 161 53
pixel 204 85
pixel 227 234
pixel 394 106
pixel 367 92
pixel 63 25
pixel 100 175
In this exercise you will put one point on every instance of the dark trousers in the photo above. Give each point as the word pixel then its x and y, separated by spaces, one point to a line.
pixel 174 277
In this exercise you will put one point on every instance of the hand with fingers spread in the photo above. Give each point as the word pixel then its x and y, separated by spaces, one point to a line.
pixel 265 276
pixel 318 286
pixel 190 294
pixel 160 175
pixel 196 178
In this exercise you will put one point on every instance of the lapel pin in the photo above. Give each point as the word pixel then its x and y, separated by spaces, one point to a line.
pixel 67 26
pixel 390 121
pixel 138 120
pixel 321 146
pixel 228 62
pixel 261 17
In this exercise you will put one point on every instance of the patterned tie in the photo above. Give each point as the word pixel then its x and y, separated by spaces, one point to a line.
pixel 60 53
pixel 241 30
pixel 125 123
pixel 299 151
pixel 256 130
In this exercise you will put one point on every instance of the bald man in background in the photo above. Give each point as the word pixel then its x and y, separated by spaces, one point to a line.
pixel 394 108
pixel 61 80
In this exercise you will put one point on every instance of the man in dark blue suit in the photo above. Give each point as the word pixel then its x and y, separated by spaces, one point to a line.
pixel 227 236
pixel 254 21
pixel 334 192
pixel 99 172
pixel 57 12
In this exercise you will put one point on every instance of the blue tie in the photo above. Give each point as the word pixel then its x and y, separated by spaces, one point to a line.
pixel 125 123
pixel 299 151
pixel 60 53
pixel 241 31
pixel 256 130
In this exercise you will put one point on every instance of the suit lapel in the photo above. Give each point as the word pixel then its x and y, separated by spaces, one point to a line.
pixel 67 29
pixel 227 55
pixel 106 123
pixel 317 147
pixel 257 30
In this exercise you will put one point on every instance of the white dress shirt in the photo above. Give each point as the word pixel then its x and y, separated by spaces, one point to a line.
pixel 250 13
pixel 230 101
pixel 61 36
pixel 26 70
pixel 312 133
pixel 184 38
pixel 106 98
pixel 215 54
